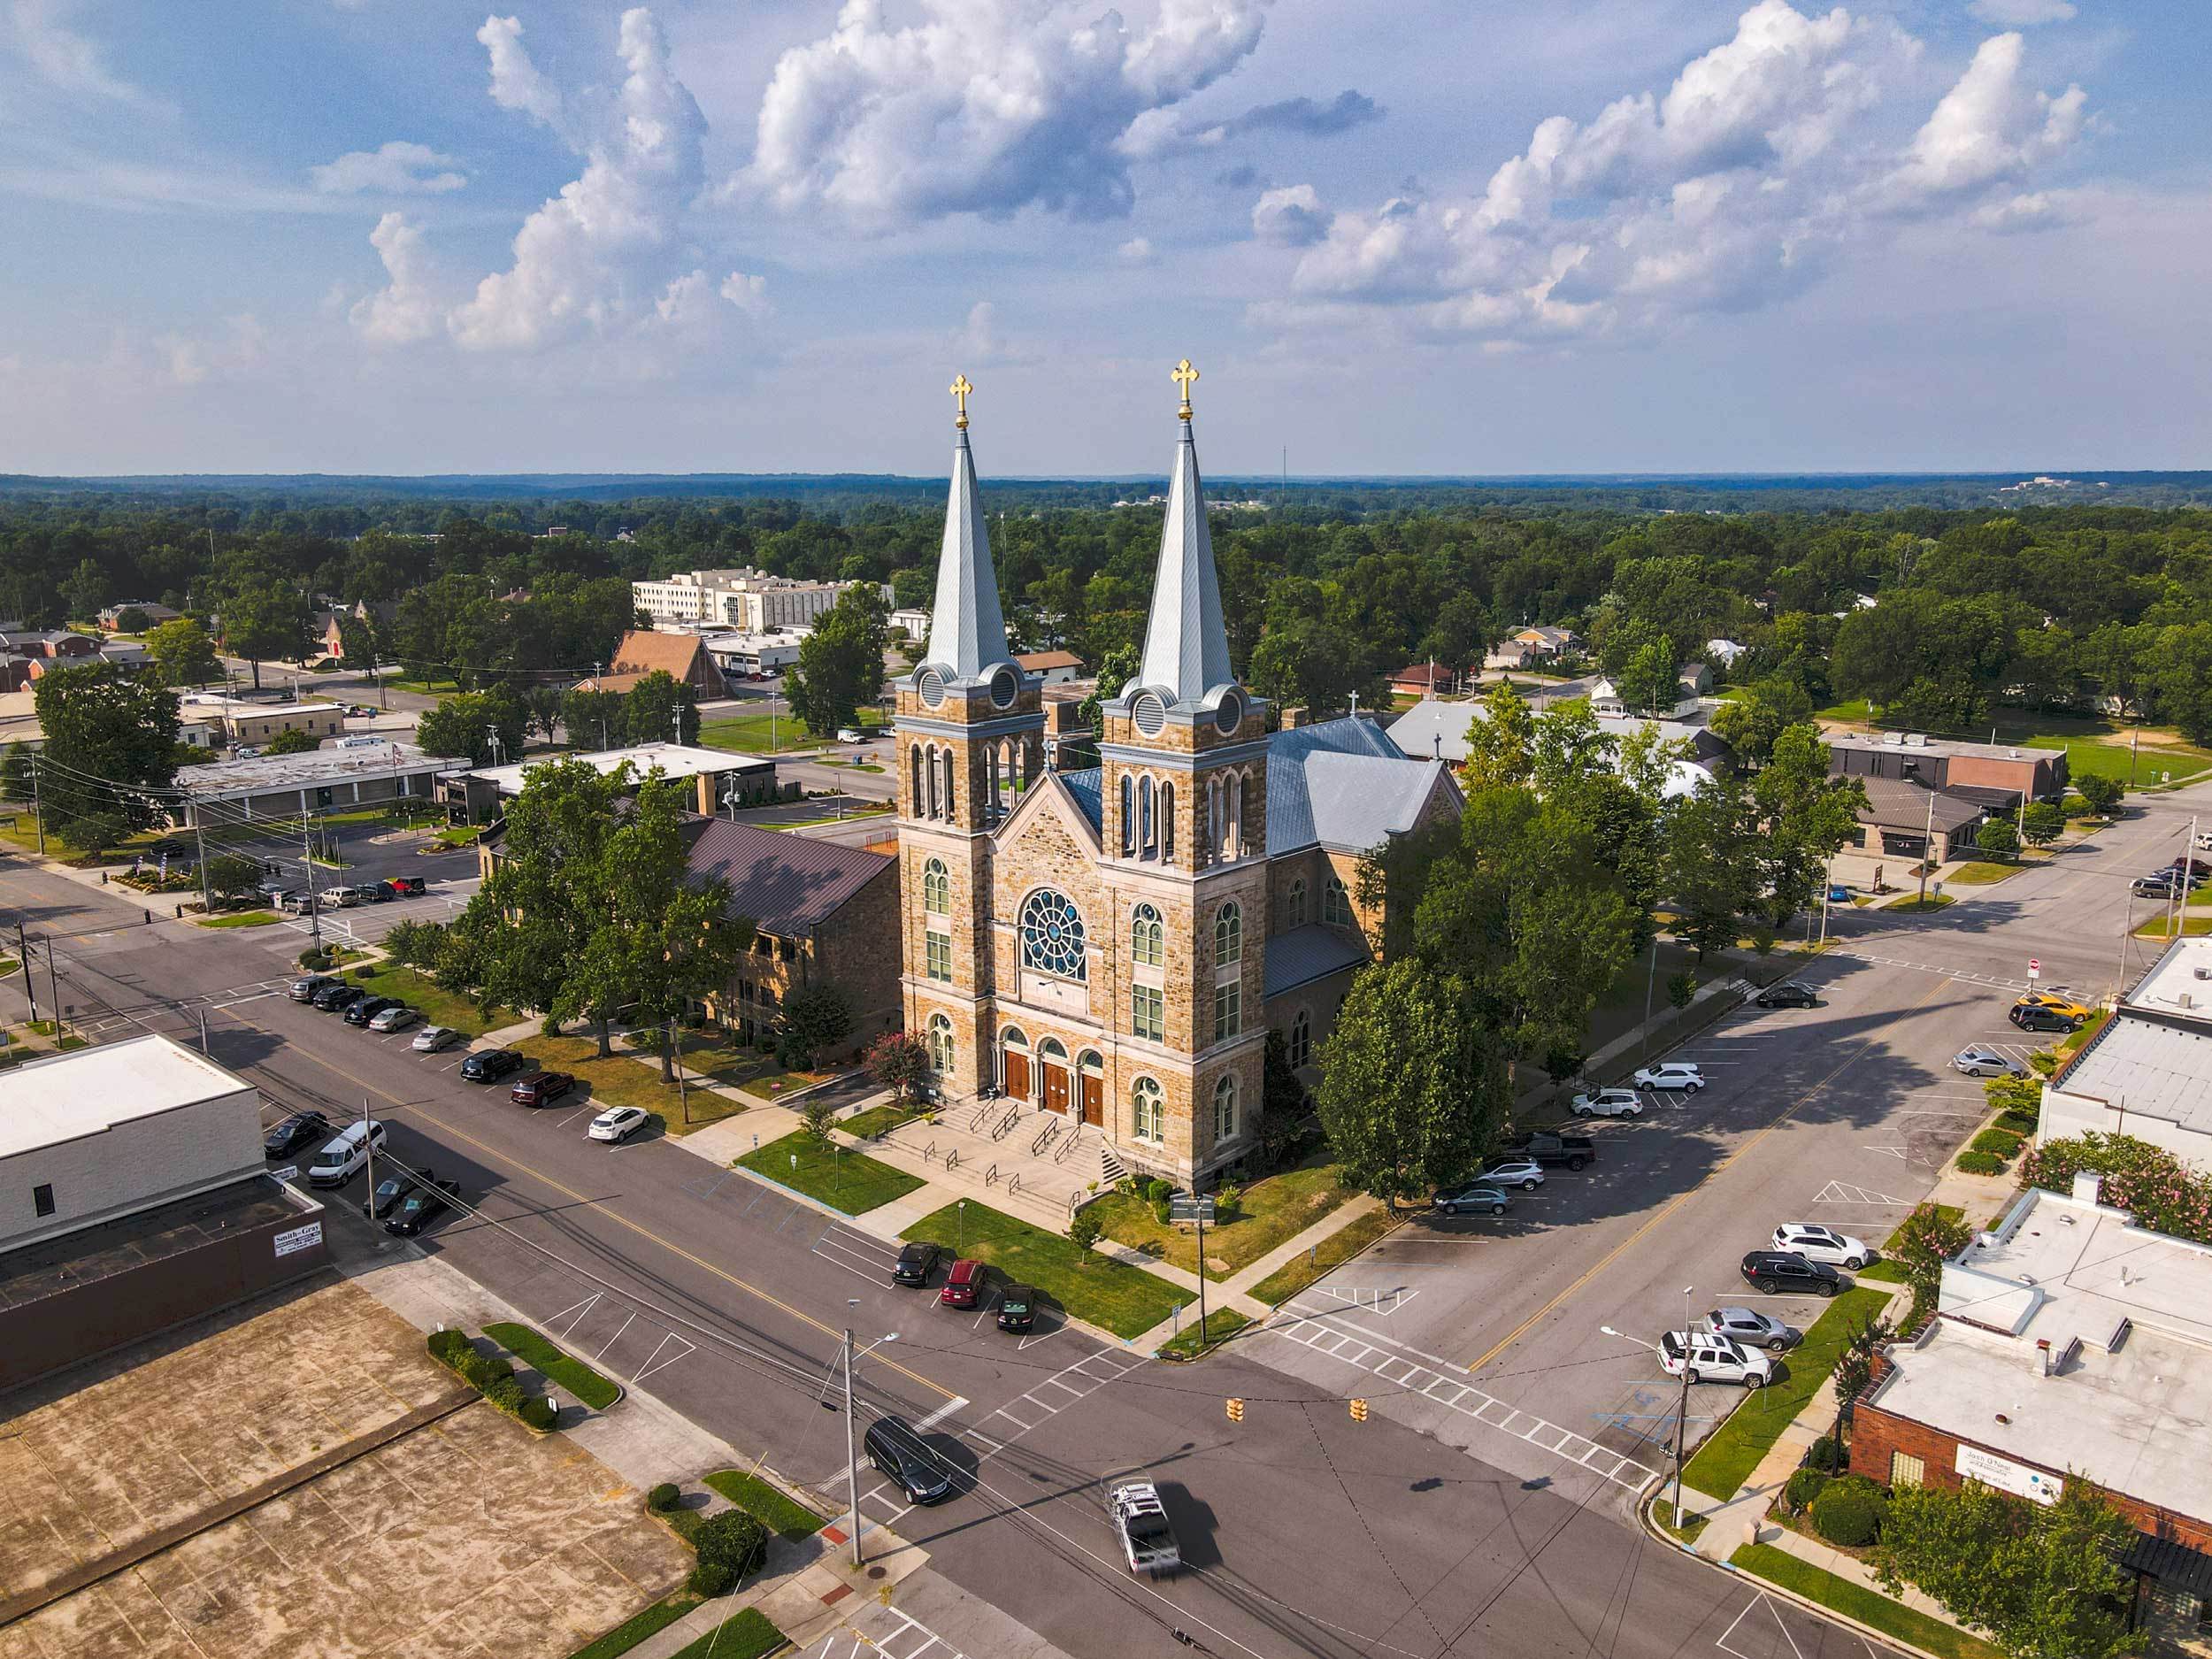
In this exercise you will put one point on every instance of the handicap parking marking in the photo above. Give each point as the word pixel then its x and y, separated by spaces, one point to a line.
pixel 1761 1599
pixel 1307 1330
pixel 1845 1193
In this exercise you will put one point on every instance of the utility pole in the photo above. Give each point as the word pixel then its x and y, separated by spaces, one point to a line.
pixel 38 812
pixel 53 985
pixel 23 956
pixel 368 1139
pixel 1651 978
pixel 1201 1277
pixel 307 861
pixel 1682 1411
pixel 852 1456
pixel 1927 851
pixel 199 839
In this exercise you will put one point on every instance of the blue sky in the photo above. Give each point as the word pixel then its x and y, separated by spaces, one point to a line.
pixel 406 236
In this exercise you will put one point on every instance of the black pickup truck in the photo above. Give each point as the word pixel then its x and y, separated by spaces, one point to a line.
pixel 1548 1148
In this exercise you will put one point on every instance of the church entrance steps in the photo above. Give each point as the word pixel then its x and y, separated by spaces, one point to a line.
pixel 1032 1164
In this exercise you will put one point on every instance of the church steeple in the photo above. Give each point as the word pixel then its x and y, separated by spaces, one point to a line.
pixel 1186 642
pixel 967 631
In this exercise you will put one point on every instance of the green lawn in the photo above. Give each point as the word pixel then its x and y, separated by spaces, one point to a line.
pixel 1854 1601
pixel 1725 1461
pixel 757 1071
pixel 1663 1512
pixel 242 918
pixel 438 1005
pixel 1853 711
pixel 1981 875
pixel 619 1080
pixel 750 734
pixel 572 1374
pixel 2159 927
pixel 849 1181
pixel 1331 1254
pixel 1221 1325
pixel 766 1503
pixel 1125 1300
pixel 868 1124
pixel 1272 1210
pixel 2109 757
pixel 1909 907
pixel 747 1636
pixel 1883 1272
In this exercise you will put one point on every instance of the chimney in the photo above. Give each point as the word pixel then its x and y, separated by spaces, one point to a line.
pixel 1436 745
pixel 2087 1185
pixel 1294 716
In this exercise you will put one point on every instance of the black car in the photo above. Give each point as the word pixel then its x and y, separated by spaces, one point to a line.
pixel 488 1066
pixel 368 1007
pixel 2028 1017
pixel 313 986
pixel 332 998
pixel 1017 1308
pixel 386 1198
pixel 916 1263
pixel 299 1130
pixel 897 1451
pixel 1772 1272
pixel 425 1199
pixel 1788 994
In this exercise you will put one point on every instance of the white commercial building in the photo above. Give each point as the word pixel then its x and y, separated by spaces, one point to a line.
pixel 750 655
pixel 750 600
pixel 91 1136
pixel 2147 1072
pixel 228 792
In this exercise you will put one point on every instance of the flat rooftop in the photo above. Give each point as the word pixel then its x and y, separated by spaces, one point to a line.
pixel 2127 1406
pixel 216 703
pixel 311 768
pixel 45 1102
pixel 2179 982
pixel 101 1251
pixel 2154 1056
pixel 673 760
pixel 1915 743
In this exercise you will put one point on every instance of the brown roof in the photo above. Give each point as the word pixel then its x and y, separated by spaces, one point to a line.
pixel 788 884
pixel 643 650
pixel 1036 662
pixel 611 682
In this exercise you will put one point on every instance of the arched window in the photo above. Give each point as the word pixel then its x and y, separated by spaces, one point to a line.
pixel 1167 822
pixel 1225 1110
pixel 936 887
pixel 1336 904
pixel 1147 1110
pixel 1147 831
pixel 1013 1037
pixel 1128 817
pixel 1052 935
pixel 1295 907
pixel 947 766
pixel 1228 934
pixel 1146 935
pixel 1301 1041
pixel 941 1045
pixel 921 790
pixel 1053 1048
pixel 930 806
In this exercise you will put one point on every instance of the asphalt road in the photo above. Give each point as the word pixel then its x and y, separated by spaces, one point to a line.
pixel 1308 1533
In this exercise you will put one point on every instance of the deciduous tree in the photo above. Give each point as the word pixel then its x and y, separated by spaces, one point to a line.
pixel 110 748
pixel 184 653
pixel 815 1018
pixel 1998 838
pixel 840 663
pixel 1500 742
pixel 2043 823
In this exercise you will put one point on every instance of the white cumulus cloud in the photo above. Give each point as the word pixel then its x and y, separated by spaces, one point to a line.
pixel 986 106
pixel 399 168
pixel 408 307
pixel 1736 186
pixel 1136 251
pixel 601 253
pixel 2022 15
pixel 42 32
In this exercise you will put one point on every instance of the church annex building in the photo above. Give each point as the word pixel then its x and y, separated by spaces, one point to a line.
pixel 1114 944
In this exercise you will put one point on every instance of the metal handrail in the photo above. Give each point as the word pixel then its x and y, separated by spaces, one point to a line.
pixel 1044 1136
pixel 990 1175
pixel 952 1158
pixel 1006 1123
pixel 1069 1145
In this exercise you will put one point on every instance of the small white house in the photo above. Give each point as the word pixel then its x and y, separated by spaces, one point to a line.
pixel 1725 651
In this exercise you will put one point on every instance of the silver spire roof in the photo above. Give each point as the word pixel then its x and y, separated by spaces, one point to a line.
pixel 967 633
pixel 1186 643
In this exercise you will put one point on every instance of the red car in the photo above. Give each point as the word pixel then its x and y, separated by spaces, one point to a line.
pixel 541 1088
pixel 962 1285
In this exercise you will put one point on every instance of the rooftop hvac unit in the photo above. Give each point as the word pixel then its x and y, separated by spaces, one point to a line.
pixel 2119 1335
pixel 1892 738
pixel 2202 974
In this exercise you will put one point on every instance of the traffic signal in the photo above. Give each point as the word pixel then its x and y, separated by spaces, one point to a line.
pixel 1236 1410
pixel 1359 1411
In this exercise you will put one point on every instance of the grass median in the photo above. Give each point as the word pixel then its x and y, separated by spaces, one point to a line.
pixel 437 1005
pixel 242 918
pixel 637 1627
pixel 1221 1325
pixel 766 1503
pixel 747 1636
pixel 1730 1452
pixel 875 1121
pixel 1270 1211
pixel 1125 1300
pixel 849 1181
pixel 1857 1601
pixel 1331 1254
pixel 572 1374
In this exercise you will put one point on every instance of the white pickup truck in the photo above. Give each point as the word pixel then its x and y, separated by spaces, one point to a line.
pixel 1147 1538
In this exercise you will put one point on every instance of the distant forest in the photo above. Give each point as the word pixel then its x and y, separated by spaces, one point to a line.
pixel 2072 598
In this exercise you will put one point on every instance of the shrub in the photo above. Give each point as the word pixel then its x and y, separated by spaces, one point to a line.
pixel 1804 1487
pixel 538 1412
pixel 1227 1196
pixel 733 1540
pixel 1849 1512
pixel 1083 1230
pixel 2002 1142
pixel 1158 1191
pixel 506 1393
pixel 709 1579
pixel 2019 1123
pixel 1980 1164
pixel 2164 1197
pixel 1825 1454
pixel 447 1347
pixel 662 1498
pixel 314 960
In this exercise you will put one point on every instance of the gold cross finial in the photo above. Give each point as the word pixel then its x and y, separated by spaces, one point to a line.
pixel 1183 375
pixel 960 390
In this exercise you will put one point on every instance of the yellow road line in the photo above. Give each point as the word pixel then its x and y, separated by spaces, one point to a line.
pixel 1680 1199
pixel 673 1248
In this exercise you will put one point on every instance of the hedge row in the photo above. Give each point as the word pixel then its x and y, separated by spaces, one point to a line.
pixel 494 1379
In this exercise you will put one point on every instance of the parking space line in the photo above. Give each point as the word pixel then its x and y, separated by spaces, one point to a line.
pixel 617 1337
pixel 689 1348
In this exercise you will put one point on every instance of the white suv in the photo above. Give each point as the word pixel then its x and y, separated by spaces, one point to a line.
pixel 1682 1074
pixel 1609 1102
pixel 1822 1244
pixel 1704 1357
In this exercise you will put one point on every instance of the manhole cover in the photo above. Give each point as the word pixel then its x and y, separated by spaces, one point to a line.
pixel 875 1573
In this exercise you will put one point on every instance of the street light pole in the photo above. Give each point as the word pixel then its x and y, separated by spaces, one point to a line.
pixel 852 1455
pixel 1682 1410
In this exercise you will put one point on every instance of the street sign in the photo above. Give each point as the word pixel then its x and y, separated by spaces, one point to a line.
pixel 1188 1207
pixel 2035 968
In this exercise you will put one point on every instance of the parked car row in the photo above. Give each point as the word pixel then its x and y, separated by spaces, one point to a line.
pixel 966 1285
pixel 379 1014
pixel 297 902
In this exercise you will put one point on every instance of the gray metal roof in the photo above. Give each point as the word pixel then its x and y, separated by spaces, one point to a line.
pixel 1437 725
pixel 1342 783
pixel 786 884
pixel 1306 953
pixel 967 633
pixel 1892 803
pixel 2158 1067
pixel 1088 789
pixel 1186 642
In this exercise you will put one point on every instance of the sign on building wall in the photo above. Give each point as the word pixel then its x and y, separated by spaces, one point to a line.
pixel 2006 1476
pixel 307 1237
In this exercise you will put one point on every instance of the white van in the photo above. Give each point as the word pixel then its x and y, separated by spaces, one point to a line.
pixel 343 1155
pixel 361 740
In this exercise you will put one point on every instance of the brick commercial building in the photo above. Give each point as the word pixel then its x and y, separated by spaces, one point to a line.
pixel 2070 1344
pixel 1999 771
pixel 2147 1071
pixel 242 722
pixel 1904 821
pixel 1112 945
pixel 133 1196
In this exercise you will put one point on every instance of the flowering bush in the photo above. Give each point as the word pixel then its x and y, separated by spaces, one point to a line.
pixel 2145 1180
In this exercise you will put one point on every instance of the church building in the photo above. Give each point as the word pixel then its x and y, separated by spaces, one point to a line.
pixel 1114 944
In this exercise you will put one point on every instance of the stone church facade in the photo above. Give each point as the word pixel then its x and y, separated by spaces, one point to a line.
pixel 1114 944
